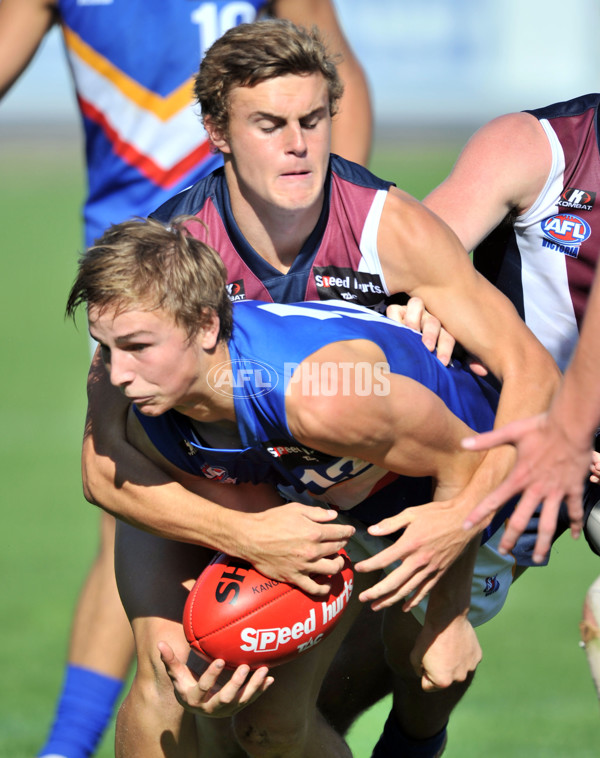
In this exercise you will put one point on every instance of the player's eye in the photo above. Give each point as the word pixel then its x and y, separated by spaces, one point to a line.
pixel 310 123
pixel 105 353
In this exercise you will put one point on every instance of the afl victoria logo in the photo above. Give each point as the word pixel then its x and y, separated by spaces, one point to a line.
pixel 566 229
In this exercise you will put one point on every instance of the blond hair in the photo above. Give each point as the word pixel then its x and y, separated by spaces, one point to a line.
pixel 143 264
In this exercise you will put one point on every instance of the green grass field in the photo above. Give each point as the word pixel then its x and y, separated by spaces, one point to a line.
pixel 532 697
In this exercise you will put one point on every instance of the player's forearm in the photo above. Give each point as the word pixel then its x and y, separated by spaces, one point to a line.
pixel 576 407
pixel 23 24
pixel 161 505
pixel 451 596
pixel 525 393
pixel 352 128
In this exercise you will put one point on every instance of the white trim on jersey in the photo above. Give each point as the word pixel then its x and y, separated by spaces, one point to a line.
pixel 368 241
pixel 549 311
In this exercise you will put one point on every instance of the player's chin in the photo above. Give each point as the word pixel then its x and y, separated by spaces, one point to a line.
pixel 150 407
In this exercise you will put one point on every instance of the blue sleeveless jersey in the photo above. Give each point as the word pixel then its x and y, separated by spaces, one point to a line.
pixel 264 358
pixel 133 63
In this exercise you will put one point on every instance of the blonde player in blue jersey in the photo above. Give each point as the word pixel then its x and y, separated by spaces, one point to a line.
pixel 172 341
pixel 132 63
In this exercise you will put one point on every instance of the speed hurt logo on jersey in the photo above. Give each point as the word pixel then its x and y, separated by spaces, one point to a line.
pixel 341 282
pixel 565 233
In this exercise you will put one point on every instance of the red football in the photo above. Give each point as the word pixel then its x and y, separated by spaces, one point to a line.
pixel 235 613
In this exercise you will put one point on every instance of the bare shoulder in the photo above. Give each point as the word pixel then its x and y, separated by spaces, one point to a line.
pixel 415 245
pixel 502 169
pixel 327 400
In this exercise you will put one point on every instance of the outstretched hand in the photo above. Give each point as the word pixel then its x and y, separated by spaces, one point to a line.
pixel 432 540
pixel 550 468
pixel 211 694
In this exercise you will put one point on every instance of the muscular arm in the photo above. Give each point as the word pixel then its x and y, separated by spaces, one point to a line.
pixel 23 24
pixel 407 429
pixel 411 431
pixel 288 543
pixel 554 448
pixel 502 169
pixel 353 125
pixel 422 256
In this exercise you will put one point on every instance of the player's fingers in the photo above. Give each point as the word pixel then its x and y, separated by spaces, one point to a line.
pixel 319 587
pixel 393 523
pixel 519 520
pixel 177 671
pixel 386 591
pixel 258 683
pixel 330 565
pixel 509 434
pixel 546 528
pixel 414 313
pixel 493 502
pixel 421 591
pixel 323 515
pixel 396 312
pixel 381 560
pixel 334 536
pixel 576 513
pixel 445 346
pixel 210 676
pixel 229 691
pixel 428 685
pixel 478 368
pixel 431 329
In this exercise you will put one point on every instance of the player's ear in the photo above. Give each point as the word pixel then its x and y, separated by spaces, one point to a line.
pixel 209 335
pixel 217 137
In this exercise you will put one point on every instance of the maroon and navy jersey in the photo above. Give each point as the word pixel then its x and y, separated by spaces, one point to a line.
pixel 339 260
pixel 545 260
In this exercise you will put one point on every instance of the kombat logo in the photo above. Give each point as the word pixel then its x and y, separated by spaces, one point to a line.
pixel 236 290
pixel 565 233
pixel 344 283
pixel 580 200
pixel 491 585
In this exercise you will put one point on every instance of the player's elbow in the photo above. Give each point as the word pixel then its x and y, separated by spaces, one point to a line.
pixel 95 475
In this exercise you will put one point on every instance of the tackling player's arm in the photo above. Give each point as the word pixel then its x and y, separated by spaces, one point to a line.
pixel 23 24
pixel 422 256
pixel 408 430
pixel 288 543
pixel 502 169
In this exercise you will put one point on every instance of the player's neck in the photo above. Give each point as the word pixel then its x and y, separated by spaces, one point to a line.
pixel 210 399
pixel 276 234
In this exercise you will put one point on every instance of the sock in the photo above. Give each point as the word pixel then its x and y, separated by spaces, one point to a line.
pixel 83 712
pixel 393 743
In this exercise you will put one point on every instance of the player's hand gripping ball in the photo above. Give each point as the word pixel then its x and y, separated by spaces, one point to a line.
pixel 235 613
